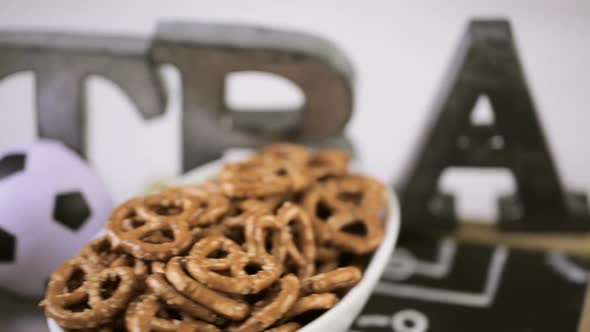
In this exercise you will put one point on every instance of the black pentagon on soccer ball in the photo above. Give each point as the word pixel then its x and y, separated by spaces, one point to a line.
pixel 7 246
pixel 71 210
pixel 11 164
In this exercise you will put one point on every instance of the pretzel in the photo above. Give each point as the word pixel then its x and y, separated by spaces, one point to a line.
pixel 323 301
pixel 287 151
pixel 344 277
pixel 358 192
pixel 269 203
pixel 300 242
pixel 236 262
pixel 160 286
pixel 209 206
pixel 152 228
pixel 221 304
pixel 356 200
pixel 327 259
pixel 347 193
pixel 328 163
pixel 148 313
pixel 275 308
pixel 140 268
pixel 287 327
pixel 211 186
pixel 78 297
pixel 262 177
pixel 104 328
pixel 357 232
pixel 99 252
pixel 267 235
pixel 233 225
pixel 158 267
pixel 258 248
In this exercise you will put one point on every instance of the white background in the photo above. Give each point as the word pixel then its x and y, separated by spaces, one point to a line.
pixel 400 51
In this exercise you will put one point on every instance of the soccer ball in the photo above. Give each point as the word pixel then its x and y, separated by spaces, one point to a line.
pixel 51 204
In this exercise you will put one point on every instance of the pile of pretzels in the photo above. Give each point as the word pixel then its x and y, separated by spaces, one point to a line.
pixel 269 244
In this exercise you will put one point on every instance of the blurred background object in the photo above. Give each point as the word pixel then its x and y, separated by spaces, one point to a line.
pixel 53 203
pixel 400 51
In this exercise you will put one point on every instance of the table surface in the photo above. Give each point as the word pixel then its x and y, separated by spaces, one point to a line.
pixel 20 315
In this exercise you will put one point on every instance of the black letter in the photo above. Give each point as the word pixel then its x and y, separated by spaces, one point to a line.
pixel 487 64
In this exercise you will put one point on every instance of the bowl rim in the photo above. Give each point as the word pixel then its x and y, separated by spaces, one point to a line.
pixel 371 274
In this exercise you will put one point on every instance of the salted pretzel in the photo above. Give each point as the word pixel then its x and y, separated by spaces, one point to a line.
pixel 274 308
pixel 357 201
pixel 158 267
pixel 158 284
pixel 328 163
pixel 249 273
pixel 211 186
pixel 346 193
pixel 140 268
pixel 358 192
pixel 341 278
pixel 327 259
pixel 300 242
pixel 356 232
pixel 226 306
pixel 266 245
pixel 149 313
pixel 287 151
pixel 262 176
pixel 287 327
pixel 155 227
pixel 234 224
pixel 99 252
pixel 322 301
pixel 209 206
pixel 267 235
pixel 79 297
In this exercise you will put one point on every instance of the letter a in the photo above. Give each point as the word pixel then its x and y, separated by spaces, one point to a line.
pixel 487 65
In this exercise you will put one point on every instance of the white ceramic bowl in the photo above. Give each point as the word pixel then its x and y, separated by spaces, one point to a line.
pixel 340 317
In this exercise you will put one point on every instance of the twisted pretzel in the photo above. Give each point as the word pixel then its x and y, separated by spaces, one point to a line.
pixel 99 252
pixel 78 297
pixel 140 268
pixel 344 277
pixel 211 186
pixel 275 308
pixel 323 301
pixel 158 267
pixel 347 209
pixel 262 177
pixel 160 286
pixel 154 227
pixel 287 327
pixel 300 242
pixel 266 234
pixel 357 232
pixel 289 152
pixel 328 163
pixel 209 206
pixel 221 304
pixel 236 262
pixel 148 313
pixel 327 259
pixel 347 193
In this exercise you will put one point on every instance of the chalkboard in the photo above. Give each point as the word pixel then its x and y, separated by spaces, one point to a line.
pixel 439 285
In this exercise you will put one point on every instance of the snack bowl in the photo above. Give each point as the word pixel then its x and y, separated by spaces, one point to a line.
pixel 340 317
